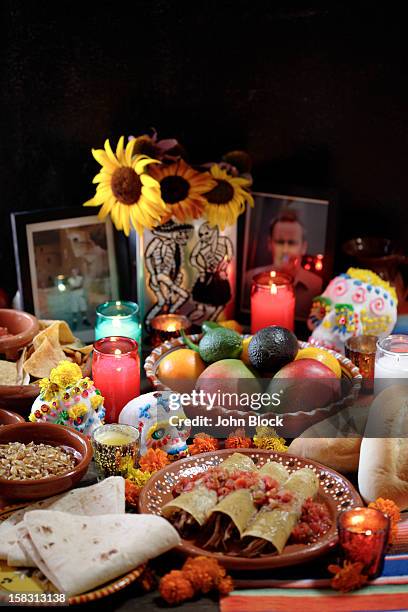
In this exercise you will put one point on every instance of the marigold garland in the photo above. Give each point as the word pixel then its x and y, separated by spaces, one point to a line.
pixel 347 577
pixel 153 460
pixel 203 443
pixel 238 439
pixel 198 575
pixel 390 508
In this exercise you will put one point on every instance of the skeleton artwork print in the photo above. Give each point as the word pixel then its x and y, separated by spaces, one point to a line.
pixel 164 258
pixel 211 257
pixel 188 273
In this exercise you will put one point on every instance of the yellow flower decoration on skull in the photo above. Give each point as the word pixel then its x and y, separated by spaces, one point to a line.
pixel 48 389
pixel 66 374
pixel 77 411
pixel 96 401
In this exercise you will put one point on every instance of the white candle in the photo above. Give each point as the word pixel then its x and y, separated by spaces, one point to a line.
pixel 391 360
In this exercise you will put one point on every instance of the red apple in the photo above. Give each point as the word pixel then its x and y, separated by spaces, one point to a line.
pixel 305 384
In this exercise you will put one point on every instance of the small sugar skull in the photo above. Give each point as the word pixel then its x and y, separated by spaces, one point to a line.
pixel 354 303
pixel 151 414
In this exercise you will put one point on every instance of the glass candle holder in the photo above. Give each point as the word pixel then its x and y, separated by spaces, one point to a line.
pixel 116 373
pixel 272 300
pixel 113 446
pixel 363 537
pixel 392 357
pixel 118 318
pixel 167 326
pixel 361 350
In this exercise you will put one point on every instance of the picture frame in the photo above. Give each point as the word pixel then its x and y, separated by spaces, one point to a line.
pixel 314 218
pixel 68 261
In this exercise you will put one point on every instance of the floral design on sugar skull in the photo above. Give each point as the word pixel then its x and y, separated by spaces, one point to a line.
pixel 354 303
pixel 150 414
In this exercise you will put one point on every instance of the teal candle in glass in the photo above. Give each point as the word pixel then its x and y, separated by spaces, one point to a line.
pixel 118 318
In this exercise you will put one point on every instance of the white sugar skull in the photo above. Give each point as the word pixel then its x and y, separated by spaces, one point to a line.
pixel 150 414
pixel 357 302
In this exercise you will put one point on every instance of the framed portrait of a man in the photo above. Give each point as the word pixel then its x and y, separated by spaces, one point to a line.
pixel 290 234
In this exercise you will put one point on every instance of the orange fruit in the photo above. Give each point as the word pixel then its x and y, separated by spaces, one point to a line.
pixel 320 354
pixel 231 324
pixel 244 354
pixel 180 369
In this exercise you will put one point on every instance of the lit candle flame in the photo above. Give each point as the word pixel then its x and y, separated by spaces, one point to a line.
pixel 273 274
pixel 274 289
pixel 171 327
pixel 117 352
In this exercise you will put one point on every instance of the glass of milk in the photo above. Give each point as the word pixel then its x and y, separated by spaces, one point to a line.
pixel 391 360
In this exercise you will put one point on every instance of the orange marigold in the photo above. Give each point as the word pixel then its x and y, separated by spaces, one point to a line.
pixel 132 493
pixel 390 508
pixel 203 443
pixel 348 577
pixel 238 439
pixel 175 588
pixel 153 460
pixel 203 573
pixel 225 585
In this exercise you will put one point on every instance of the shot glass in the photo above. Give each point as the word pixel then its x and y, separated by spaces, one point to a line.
pixel 114 446
pixel 361 351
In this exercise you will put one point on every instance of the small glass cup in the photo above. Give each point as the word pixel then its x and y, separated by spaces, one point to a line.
pixel 363 537
pixel 361 350
pixel 113 445
pixel 272 300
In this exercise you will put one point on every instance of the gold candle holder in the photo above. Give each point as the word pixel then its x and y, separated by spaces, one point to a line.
pixel 112 444
pixel 361 351
pixel 167 326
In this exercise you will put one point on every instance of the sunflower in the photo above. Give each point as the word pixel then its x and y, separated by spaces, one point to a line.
pixel 182 189
pixel 226 201
pixel 125 190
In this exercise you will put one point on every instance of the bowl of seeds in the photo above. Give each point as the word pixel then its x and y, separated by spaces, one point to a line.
pixel 41 459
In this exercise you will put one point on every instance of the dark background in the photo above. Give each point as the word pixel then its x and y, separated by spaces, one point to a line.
pixel 317 96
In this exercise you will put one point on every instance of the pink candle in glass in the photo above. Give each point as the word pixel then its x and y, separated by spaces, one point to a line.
pixel 116 373
pixel 272 301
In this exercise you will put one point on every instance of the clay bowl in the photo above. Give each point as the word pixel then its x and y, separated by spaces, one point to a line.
pixel 54 435
pixel 22 328
pixel 294 422
pixel 10 418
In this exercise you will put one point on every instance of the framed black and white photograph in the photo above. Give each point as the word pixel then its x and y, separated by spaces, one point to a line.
pixel 291 234
pixel 67 264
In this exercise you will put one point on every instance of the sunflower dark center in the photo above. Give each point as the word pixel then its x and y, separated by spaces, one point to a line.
pixel 222 193
pixel 126 185
pixel 174 188
pixel 144 146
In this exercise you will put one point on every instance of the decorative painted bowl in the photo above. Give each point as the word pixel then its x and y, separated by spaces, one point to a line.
pixel 21 327
pixel 295 422
pixel 10 418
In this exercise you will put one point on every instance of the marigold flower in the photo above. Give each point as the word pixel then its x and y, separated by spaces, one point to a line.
pixel 203 443
pixel 66 374
pixel 225 585
pixel 390 508
pixel 348 577
pixel 267 438
pixel 153 460
pixel 174 587
pixel 238 440
pixel 203 573
pixel 132 492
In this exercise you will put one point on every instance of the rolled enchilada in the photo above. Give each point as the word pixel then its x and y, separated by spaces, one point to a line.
pixel 275 525
pixel 194 507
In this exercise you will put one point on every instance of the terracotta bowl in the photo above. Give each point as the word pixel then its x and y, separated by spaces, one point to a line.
pixel 295 422
pixel 22 328
pixel 55 435
pixel 10 418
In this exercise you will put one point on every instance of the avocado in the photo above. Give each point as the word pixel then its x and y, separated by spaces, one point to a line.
pixel 220 343
pixel 271 348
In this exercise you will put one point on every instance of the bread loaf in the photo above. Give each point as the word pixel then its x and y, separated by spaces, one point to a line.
pixel 383 468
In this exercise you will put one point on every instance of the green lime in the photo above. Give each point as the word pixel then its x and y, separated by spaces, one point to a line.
pixel 220 343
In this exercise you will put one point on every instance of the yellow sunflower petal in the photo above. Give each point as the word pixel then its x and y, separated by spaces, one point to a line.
pixel 119 149
pixel 141 163
pixel 111 154
pixel 102 177
pixel 149 181
pixel 102 159
pixel 105 210
pixel 91 202
pixel 129 153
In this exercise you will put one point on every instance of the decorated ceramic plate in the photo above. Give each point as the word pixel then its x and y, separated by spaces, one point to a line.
pixel 32 581
pixel 335 491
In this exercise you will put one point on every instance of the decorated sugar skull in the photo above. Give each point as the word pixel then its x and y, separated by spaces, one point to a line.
pixel 151 414
pixel 357 302
pixel 66 398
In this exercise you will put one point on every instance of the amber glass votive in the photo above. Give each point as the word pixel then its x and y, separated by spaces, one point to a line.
pixel 363 537
pixel 361 351
pixel 167 326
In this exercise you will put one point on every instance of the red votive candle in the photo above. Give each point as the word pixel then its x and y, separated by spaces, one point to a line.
pixel 116 373
pixel 272 301
pixel 363 537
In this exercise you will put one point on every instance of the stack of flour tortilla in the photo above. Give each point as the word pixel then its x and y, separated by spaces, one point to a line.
pixel 83 538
